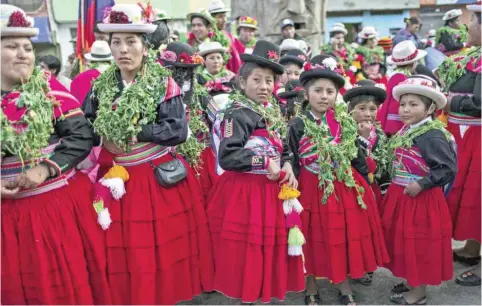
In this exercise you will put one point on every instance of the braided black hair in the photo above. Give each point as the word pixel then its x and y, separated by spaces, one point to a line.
pixel 181 75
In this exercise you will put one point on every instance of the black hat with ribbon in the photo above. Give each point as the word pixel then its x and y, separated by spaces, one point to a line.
pixel 292 89
pixel 323 66
pixel 181 55
pixel 295 56
pixel 265 54
pixel 369 88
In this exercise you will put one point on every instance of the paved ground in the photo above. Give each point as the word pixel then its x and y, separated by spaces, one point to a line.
pixel 448 293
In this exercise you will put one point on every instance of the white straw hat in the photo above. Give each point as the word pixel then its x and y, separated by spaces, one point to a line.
pixel 15 23
pixel 476 7
pixel 405 53
pixel 289 44
pixel 421 85
pixel 128 18
pixel 100 52
pixel 217 6
pixel 338 27
pixel 452 14
pixel 368 32
pixel 209 47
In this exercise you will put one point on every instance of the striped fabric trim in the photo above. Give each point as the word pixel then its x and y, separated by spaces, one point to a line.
pixel 74 112
pixel 461 119
pixel 141 153
pixel 393 117
pixel 47 186
pixel 403 178
pixel 63 94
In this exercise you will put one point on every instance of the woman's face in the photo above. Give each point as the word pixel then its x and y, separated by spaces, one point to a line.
pixel 474 31
pixel 293 71
pixel 372 42
pixel 18 60
pixel 338 40
pixel 455 23
pixel 372 71
pixel 259 85
pixel 321 95
pixel 127 50
pixel 221 21
pixel 199 29
pixel 214 63
pixel 412 110
pixel 246 34
pixel 414 28
pixel 365 112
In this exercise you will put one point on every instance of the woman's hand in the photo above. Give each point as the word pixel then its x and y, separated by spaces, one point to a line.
pixel 8 189
pixel 364 129
pixel 273 170
pixel 112 148
pixel 290 177
pixel 412 189
pixel 32 177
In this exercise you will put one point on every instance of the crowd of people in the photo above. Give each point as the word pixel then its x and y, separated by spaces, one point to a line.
pixel 234 164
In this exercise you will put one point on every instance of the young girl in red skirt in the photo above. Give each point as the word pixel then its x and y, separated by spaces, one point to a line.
pixel 340 222
pixel 158 245
pixel 363 100
pixel 461 75
pixel 415 216
pixel 52 250
pixel 246 217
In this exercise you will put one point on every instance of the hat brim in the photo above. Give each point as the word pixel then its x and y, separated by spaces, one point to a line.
pixel 178 65
pixel 379 94
pixel 223 10
pixel 247 26
pixel 322 74
pixel 289 94
pixel 217 50
pixel 421 54
pixel 250 58
pixel 291 59
pixel 198 15
pixel 163 18
pixel 88 56
pixel 126 28
pixel 435 95
pixel 474 8
pixel 19 32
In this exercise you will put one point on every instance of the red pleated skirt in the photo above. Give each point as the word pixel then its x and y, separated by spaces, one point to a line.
pixel 418 235
pixel 250 239
pixel 53 249
pixel 464 198
pixel 341 238
pixel 208 176
pixel 159 248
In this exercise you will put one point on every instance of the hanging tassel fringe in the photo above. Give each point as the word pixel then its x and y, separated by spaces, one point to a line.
pixel 292 209
pixel 111 186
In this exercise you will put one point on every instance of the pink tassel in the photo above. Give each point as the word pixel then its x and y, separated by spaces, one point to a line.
pixel 293 219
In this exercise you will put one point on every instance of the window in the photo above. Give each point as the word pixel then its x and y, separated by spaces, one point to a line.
pixel 26 5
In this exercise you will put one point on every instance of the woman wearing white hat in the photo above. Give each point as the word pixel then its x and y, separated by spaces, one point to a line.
pixel 414 213
pixel 157 241
pixel 452 37
pixel 369 49
pixel 214 66
pixel 405 57
pixel 461 76
pixel 52 249
pixel 338 46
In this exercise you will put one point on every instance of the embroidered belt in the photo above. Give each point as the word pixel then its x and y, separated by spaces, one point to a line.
pixel 462 119
pixel 141 153
pixel 276 159
pixel 403 178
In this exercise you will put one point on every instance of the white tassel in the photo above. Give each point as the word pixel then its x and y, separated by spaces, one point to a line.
pixel 294 204
pixel 103 218
pixel 295 250
pixel 116 186
pixel 287 208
